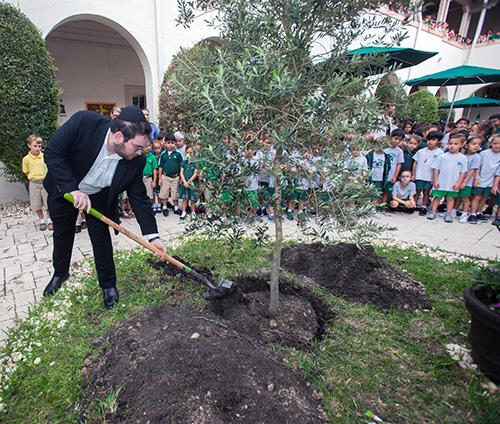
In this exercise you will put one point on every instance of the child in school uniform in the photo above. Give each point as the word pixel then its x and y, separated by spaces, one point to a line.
pixel 357 167
pixel 252 182
pixel 397 158
pixel 473 145
pixel 495 189
pixel 157 150
pixel 150 172
pixel 379 163
pixel 412 147
pixel 169 168
pixel 189 187
pixel 423 173
pixel 483 180
pixel 35 169
pixel 449 173
pixel 403 194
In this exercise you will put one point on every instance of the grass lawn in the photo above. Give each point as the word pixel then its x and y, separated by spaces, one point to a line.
pixel 394 364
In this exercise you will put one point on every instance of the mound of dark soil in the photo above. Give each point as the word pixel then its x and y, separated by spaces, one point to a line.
pixel 357 275
pixel 187 366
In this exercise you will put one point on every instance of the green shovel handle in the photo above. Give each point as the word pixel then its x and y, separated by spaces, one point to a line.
pixel 93 212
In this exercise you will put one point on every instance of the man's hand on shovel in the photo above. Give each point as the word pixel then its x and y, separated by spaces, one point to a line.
pixel 160 245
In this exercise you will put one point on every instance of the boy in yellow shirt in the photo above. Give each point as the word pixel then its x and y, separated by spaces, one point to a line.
pixel 35 169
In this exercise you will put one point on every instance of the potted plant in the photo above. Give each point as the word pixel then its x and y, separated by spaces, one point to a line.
pixel 482 300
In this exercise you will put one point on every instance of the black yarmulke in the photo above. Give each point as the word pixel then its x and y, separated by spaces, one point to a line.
pixel 133 114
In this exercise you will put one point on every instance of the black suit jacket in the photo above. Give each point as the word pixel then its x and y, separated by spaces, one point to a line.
pixel 72 151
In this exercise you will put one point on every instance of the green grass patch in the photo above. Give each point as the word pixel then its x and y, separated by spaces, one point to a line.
pixel 394 364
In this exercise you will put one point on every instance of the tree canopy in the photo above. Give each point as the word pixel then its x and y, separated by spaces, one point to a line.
pixel 282 84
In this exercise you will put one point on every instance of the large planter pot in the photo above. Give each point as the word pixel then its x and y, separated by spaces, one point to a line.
pixel 484 335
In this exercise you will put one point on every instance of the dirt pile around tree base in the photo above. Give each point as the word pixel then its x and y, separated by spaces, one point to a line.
pixel 177 365
pixel 357 275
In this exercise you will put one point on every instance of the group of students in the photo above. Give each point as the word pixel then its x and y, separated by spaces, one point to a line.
pixel 459 170
pixel 417 168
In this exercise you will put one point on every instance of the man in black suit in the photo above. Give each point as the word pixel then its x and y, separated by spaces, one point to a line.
pixel 94 159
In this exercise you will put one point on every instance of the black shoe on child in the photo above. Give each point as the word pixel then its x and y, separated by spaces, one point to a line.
pixel 178 211
pixel 488 212
pixel 423 211
pixel 165 212
pixel 78 229
pixel 481 217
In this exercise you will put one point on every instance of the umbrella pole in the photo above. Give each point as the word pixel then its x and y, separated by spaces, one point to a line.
pixel 453 102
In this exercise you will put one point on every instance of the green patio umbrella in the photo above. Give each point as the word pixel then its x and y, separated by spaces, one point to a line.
pixel 472 102
pixel 402 56
pixel 461 75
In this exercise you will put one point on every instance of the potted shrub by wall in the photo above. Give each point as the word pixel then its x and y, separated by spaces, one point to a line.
pixel 482 300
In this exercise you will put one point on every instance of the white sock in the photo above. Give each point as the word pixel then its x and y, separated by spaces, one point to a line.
pixel 50 221
pixel 164 207
pixel 193 214
pixel 183 214
pixel 176 208
pixel 42 221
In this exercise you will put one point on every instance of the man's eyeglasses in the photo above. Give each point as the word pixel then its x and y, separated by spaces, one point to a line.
pixel 136 147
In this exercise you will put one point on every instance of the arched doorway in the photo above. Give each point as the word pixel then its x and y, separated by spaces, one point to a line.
pixel 98 63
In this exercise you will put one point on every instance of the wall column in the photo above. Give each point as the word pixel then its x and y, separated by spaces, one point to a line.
pixel 465 23
pixel 444 6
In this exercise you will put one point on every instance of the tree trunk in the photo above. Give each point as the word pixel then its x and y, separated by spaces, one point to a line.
pixel 278 245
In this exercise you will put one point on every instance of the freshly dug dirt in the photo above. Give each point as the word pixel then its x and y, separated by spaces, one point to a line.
pixel 179 365
pixel 357 275
pixel 184 365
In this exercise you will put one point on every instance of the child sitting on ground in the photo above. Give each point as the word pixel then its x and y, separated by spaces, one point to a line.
pixel 449 173
pixel 188 190
pixel 403 194
pixel 35 169
pixel 422 168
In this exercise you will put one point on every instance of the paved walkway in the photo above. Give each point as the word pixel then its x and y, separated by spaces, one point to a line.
pixel 25 252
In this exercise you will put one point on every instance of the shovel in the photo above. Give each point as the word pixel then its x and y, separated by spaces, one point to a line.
pixel 224 287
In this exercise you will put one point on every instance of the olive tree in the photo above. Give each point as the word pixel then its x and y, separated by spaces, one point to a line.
pixel 283 76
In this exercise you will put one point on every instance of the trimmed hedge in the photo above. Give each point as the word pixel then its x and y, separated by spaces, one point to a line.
pixel 28 89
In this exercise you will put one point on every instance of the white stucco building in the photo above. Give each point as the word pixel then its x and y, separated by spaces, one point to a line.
pixel 117 51
pixel 109 50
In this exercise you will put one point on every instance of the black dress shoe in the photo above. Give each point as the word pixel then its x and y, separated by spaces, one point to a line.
pixel 110 297
pixel 54 284
pixel 165 212
pixel 78 229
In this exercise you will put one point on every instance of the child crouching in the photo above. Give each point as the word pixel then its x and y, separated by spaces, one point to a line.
pixel 403 194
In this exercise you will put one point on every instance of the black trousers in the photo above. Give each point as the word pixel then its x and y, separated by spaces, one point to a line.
pixel 64 216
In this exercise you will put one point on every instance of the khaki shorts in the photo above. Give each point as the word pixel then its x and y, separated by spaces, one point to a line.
pixel 147 183
pixel 38 195
pixel 169 187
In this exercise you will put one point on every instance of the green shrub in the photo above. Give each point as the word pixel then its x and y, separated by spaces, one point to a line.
pixel 175 113
pixel 28 89
pixel 423 107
